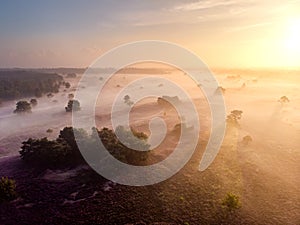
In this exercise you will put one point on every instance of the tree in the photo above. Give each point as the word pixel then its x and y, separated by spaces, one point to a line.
pixel 247 139
pixel 122 151
pixel 284 99
pixel 67 85
pixel 127 100
pixel 234 117
pixel 45 153
pixel 50 95
pixel 23 107
pixel 33 102
pixel 71 96
pixel 73 105
pixel 7 189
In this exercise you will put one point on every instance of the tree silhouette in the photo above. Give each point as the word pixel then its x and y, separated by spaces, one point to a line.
pixel 73 105
pixel 23 107
pixel 234 117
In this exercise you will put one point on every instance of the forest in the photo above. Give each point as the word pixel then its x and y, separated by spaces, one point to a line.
pixel 23 83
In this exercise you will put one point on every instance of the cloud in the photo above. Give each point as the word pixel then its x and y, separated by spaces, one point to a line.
pixel 251 26
pixel 206 4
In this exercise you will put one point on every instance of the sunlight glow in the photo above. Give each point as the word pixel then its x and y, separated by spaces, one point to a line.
pixel 292 41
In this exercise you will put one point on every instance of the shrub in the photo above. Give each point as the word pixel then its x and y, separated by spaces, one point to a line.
pixel 49 130
pixel 231 201
pixel 33 102
pixel 7 189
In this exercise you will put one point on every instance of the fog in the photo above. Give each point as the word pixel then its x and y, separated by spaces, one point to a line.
pixel 269 166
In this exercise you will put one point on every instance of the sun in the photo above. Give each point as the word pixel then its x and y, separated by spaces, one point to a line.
pixel 291 42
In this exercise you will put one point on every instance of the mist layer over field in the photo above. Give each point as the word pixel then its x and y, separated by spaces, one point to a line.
pixel 264 172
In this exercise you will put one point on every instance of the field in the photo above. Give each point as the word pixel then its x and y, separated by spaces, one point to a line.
pixel 264 172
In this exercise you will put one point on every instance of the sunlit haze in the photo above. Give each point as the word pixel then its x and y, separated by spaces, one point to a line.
pixel 232 33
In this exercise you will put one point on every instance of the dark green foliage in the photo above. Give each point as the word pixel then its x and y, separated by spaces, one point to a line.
pixel 7 189
pixel 67 134
pixel 33 102
pixel 45 153
pixel 121 151
pixel 17 83
pixel 64 150
pixel 23 107
pixel 73 105
pixel 231 201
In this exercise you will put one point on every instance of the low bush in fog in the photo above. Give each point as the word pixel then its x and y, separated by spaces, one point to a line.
pixel 7 189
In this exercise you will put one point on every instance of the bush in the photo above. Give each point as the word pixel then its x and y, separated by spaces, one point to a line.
pixel 33 102
pixel 49 130
pixel 231 201
pixel 7 189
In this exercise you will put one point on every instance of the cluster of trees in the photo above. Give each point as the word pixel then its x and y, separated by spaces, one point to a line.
pixel 17 83
pixel 24 106
pixel 64 151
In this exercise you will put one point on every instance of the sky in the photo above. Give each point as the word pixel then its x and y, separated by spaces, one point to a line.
pixel 223 33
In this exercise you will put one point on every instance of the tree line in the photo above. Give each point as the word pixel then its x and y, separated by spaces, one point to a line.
pixel 19 84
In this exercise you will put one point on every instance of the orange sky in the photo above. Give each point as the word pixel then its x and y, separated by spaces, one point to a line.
pixel 223 33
